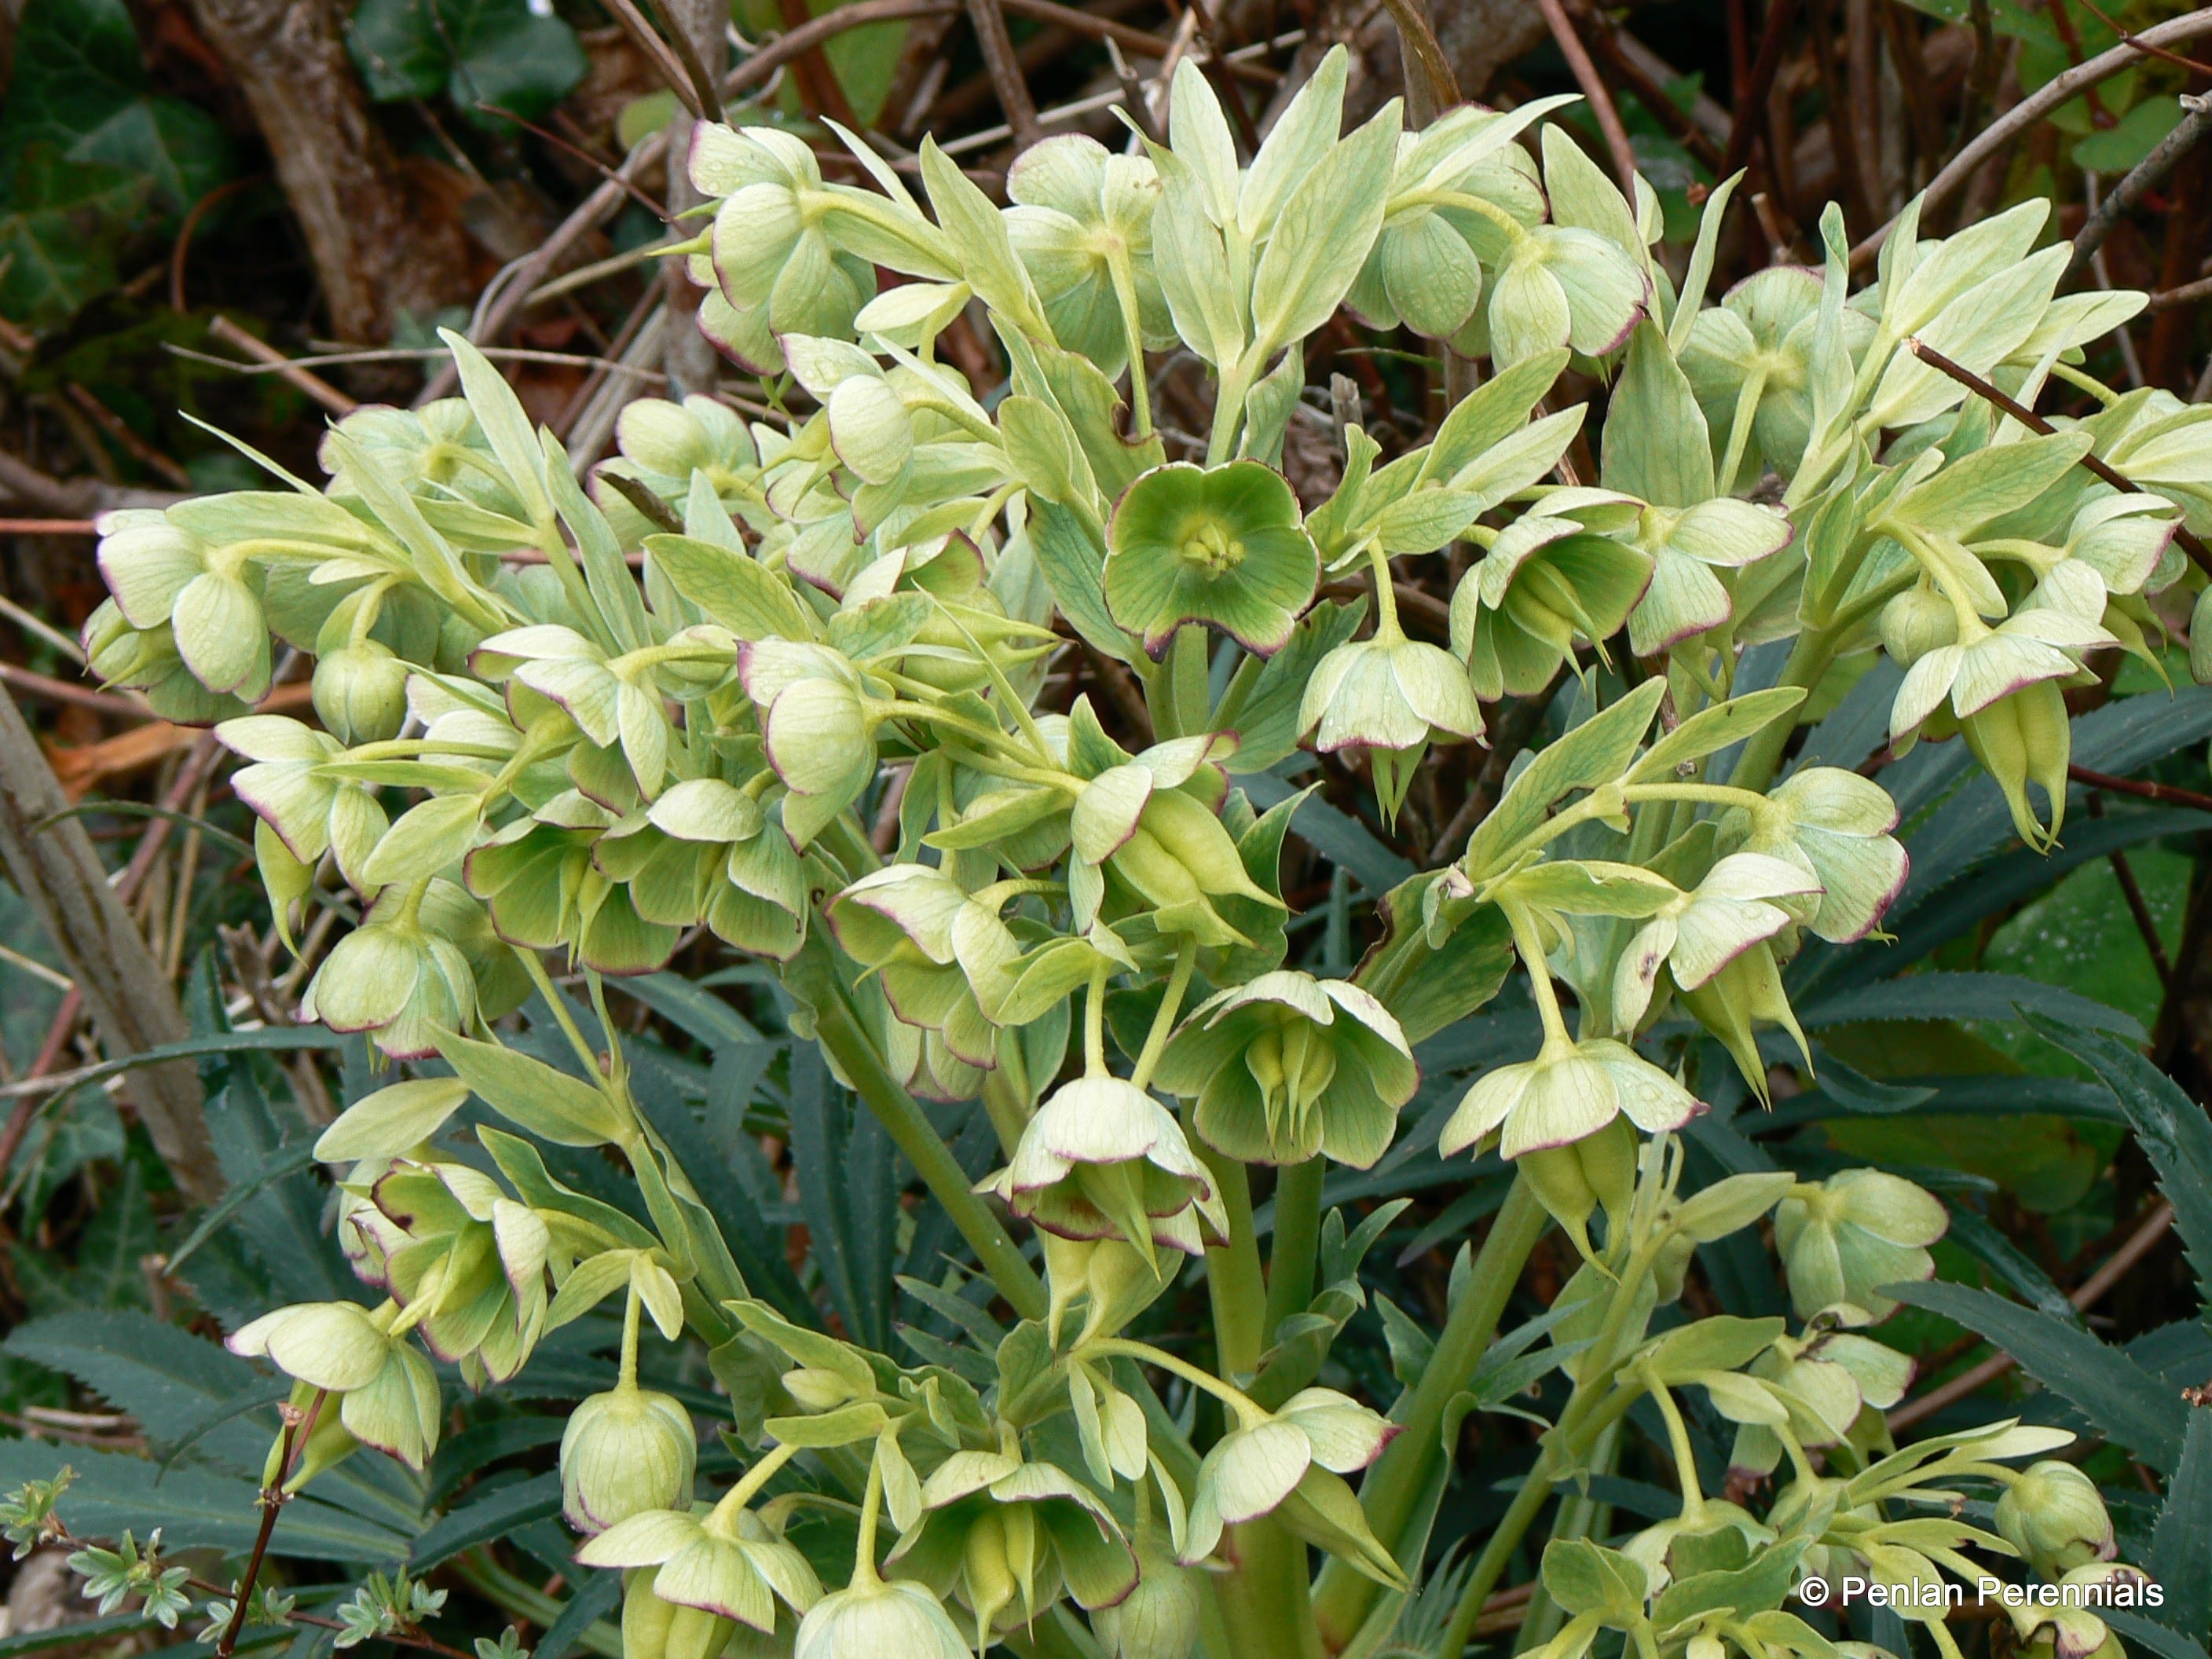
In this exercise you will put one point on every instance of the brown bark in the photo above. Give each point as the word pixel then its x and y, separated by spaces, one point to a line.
pixel 374 254
pixel 55 868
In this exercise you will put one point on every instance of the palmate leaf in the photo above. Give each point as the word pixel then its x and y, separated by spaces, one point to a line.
pixel 2116 1394
pixel 2173 1130
pixel 844 1162
pixel 163 1376
pixel 494 52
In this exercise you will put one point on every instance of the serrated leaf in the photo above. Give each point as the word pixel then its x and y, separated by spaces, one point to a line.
pixel 2115 1392
pixel 2181 1544
pixel 2173 1130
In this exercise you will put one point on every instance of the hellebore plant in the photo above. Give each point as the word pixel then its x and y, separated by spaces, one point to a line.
pixel 827 733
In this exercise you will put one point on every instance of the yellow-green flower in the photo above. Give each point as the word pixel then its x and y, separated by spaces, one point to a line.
pixel 1219 546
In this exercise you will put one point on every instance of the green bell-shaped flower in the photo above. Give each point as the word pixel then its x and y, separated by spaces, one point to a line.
pixel 2053 1514
pixel 1005 1537
pixel 625 1451
pixel 394 978
pixel 1288 1066
pixel 1290 1464
pixel 729 1564
pixel 1082 223
pixel 1390 696
pixel 1102 1159
pixel 873 1618
pixel 1220 546
pixel 1552 581
pixel 1844 1238
pixel 387 1395
pixel 1570 1090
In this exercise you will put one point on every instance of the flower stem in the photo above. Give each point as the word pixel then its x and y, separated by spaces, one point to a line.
pixel 1128 1347
pixel 1297 1234
pixel 1392 1489
pixel 1156 1040
pixel 627 1377
pixel 753 1478
pixel 814 977
pixel 872 1508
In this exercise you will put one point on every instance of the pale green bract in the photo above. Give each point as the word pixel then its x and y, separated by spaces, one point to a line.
pixel 817 724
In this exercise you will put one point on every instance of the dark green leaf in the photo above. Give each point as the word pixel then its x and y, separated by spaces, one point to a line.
pixel 2123 1400
pixel 601 1593
pixel 2181 1546
pixel 2172 1128
pixel 2004 997
pixel 492 1515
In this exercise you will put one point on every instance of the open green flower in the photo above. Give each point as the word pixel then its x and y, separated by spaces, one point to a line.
pixel 729 1562
pixel 1290 1464
pixel 1288 1066
pixel 1569 1090
pixel 1220 546
pixel 1552 579
pixel 1007 1536
pixel 1844 1238
pixel 388 1395
pixel 1102 1159
pixel 1834 825
pixel 932 947
pixel 471 1268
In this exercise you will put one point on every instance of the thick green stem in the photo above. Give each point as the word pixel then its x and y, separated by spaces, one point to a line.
pixel 1263 1601
pixel 1232 1273
pixel 1394 1484
pixel 814 975
pixel 1297 1235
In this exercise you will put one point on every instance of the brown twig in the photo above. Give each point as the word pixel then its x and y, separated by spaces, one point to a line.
pixel 183 249
pixel 273 1500
pixel 694 96
pixel 1593 88
pixel 1605 39
pixel 1752 100
pixel 1431 87
pixel 262 352
pixel 989 24
pixel 2143 788
pixel 82 696
pixel 2034 423
pixel 2138 906
pixel 796 42
pixel 2121 29
pixel 2187 294
pixel 49 1055
pixel 119 431
pixel 48 527
pixel 2059 90
pixel 2144 177
pixel 2092 1290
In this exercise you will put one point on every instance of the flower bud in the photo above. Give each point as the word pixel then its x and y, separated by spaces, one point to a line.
pixel 1916 622
pixel 870 1620
pixel 655 1629
pixel 2023 738
pixel 623 1451
pixel 1158 1619
pixel 360 692
pixel 1573 1180
pixel 816 1390
pixel 1114 1276
pixel 2053 1515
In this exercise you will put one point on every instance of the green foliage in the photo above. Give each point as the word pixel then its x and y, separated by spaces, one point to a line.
pixel 85 152
pixel 1042 959
pixel 473 52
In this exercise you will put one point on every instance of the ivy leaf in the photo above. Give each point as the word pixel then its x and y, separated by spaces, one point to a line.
pixel 80 86
pixel 487 52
